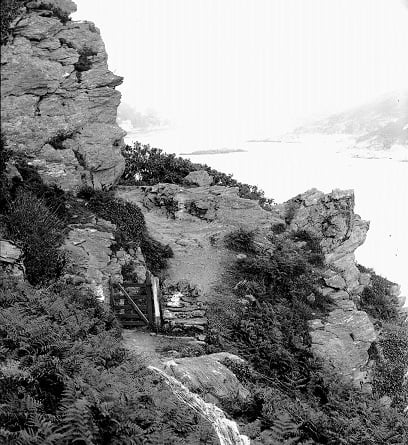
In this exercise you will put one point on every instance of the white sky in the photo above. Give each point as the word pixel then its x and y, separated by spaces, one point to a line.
pixel 251 66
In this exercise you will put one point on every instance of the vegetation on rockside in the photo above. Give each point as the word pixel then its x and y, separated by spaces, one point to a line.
pixel 65 378
pixel 376 300
pixel 131 230
pixel 296 397
pixel 36 216
pixel 146 165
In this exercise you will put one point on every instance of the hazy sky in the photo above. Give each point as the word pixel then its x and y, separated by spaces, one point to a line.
pixel 251 66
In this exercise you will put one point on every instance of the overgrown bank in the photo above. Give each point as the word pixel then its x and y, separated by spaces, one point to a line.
pixel 297 398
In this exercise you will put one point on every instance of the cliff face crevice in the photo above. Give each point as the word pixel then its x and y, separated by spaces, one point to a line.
pixel 59 101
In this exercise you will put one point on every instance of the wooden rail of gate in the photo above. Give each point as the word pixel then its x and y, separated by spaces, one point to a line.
pixel 137 304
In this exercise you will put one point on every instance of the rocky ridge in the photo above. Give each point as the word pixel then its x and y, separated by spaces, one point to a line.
pixel 345 337
pixel 58 97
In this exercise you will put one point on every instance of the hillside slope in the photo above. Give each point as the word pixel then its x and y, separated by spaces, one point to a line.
pixel 376 129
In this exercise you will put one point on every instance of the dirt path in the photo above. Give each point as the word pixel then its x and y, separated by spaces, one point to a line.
pixel 154 349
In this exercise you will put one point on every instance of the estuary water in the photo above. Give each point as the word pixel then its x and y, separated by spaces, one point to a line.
pixel 285 169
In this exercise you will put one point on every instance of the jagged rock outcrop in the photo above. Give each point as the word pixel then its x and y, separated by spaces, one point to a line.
pixel 58 98
pixel 344 337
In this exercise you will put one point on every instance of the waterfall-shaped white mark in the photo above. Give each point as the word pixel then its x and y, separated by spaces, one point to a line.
pixel 226 429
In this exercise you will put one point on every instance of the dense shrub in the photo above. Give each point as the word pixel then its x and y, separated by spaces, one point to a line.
pixel 392 364
pixel 148 166
pixel 375 299
pixel 64 377
pixel 131 227
pixel 240 240
pixel 30 223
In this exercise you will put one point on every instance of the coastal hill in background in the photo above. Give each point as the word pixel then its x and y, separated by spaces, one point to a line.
pixel 378 127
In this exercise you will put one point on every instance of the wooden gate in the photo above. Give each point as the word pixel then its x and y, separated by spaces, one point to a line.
pixel 135 304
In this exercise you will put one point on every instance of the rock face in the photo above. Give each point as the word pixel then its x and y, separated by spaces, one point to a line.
pixel 208 377
pixel 343 339
pixel 94 263
pixel 58 98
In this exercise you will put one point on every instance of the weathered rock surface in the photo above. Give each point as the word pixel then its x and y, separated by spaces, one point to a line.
pixel 11 263
pixel 93 261
pixel 343 339
pixel 58 98
pixel 199 177
pixel 208 377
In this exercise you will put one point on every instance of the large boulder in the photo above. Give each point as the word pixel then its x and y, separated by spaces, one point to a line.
pixel 208 377
pixel 58 98
pixel 199 178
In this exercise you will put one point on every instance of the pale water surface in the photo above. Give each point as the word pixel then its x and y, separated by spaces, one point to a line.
pixel 284 170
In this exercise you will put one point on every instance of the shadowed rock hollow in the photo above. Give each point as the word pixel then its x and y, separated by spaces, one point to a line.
pixel 58 97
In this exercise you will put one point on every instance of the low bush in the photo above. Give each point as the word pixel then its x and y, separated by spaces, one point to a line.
pixel 64 377
pixel 376 300
pixel 240 240
pixel 312 249
pixel 146 165
pixel 31 224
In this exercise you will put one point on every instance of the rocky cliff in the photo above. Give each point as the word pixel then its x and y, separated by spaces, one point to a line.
pixel 345 336
pixel 58 97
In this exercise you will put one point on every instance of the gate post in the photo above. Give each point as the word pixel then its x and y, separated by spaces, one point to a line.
pixel 153 306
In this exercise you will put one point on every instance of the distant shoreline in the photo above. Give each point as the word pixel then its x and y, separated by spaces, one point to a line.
pixel 275 141
pixel 214 152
